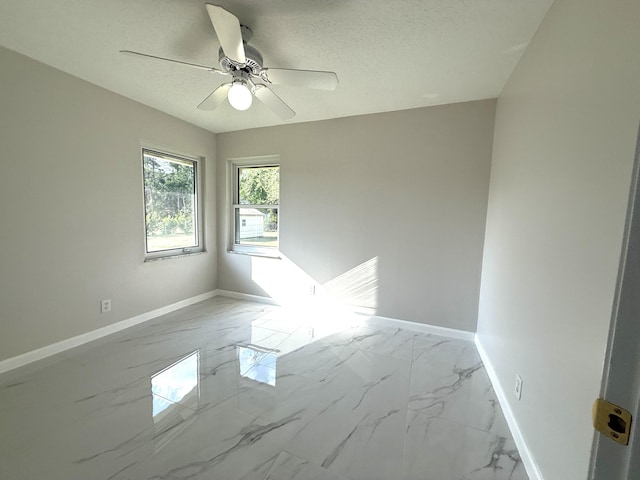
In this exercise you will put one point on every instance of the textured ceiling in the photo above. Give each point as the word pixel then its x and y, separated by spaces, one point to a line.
pixel 388 54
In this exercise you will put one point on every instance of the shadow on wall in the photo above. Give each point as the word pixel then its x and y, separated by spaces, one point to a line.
pixel 289 285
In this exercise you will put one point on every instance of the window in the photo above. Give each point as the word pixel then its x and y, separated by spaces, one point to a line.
pixel 256 199
pixel 171 204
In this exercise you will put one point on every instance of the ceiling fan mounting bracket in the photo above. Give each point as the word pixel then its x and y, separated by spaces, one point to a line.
pixel 246 33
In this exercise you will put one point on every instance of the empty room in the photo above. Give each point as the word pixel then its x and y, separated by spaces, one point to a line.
pixel 337 240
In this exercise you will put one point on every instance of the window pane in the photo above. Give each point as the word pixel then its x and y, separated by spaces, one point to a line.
pixel 259 185
pixel 257 226
pixel 170 202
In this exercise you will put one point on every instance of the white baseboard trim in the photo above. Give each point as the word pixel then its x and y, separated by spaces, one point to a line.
pixel 59 347
pixel 526 455
pixel 372 318
pixel 247 297
pixel 421 327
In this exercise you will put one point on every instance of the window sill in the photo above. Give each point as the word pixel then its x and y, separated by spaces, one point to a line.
pixel 177 255
pixel 275 255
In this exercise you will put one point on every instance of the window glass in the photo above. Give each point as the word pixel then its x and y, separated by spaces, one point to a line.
pixel 170 198
pixel 256 205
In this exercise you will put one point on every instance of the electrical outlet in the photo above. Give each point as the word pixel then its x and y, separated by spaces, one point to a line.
pixel 105 305
pixel 312 290
pixel 518 388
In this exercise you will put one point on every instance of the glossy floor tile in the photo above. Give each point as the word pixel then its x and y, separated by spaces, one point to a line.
pixel 230 390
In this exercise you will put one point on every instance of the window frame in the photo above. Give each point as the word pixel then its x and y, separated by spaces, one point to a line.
pixel 234 166
pixel 197 163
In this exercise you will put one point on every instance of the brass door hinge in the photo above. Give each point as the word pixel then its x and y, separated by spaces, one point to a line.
pixel 612 421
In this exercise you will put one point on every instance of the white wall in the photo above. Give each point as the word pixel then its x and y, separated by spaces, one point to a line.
pixel 565 132
pixel 386 210
pixel 71 207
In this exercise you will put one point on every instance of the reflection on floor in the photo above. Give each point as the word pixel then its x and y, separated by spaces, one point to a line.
pixel 229 390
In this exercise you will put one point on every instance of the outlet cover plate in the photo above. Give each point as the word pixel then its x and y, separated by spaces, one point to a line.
pixel 518 387
pixel 105 305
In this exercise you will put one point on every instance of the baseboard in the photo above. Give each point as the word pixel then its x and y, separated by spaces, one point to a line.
pixel 246 296
pixel 422 327
pixel 525 453
pixel 372 318
pixel 59 347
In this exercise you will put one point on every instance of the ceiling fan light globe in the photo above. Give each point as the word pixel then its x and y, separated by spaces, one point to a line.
pixel 239 96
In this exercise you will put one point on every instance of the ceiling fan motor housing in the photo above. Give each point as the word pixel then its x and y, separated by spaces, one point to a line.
pixel 253 56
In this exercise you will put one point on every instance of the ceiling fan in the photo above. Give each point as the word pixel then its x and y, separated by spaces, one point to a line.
pixel 243 63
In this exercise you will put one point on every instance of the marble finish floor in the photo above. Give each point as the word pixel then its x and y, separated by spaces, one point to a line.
pixel 227 390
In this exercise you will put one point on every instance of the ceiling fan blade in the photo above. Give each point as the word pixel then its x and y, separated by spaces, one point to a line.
pixel 273 102
pixel 179 62
pixel 227 27
pixel 216 97
pixel 300 78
